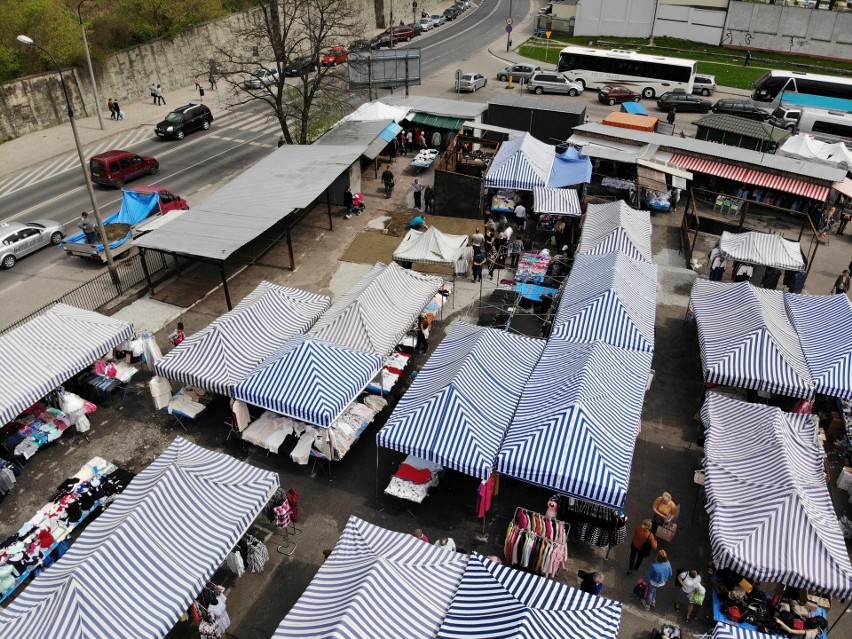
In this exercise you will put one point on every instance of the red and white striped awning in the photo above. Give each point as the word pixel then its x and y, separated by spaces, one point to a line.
pixel 700 165
pixel 844 186
pixel 788 185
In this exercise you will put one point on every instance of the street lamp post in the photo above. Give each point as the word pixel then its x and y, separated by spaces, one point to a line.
pixel 89 61
pixel 509 28
pixel 30 42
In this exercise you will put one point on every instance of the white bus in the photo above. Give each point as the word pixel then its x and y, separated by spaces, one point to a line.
pixel 772 83
pixel 650 75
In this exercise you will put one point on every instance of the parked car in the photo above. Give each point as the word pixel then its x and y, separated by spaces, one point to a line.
pixel 704 84
pixel 184 119
pixel 438 19
pixel 683 101
pixel 742 108
pixel 460 6
pixel 786 118
pixel 416 28
pixel 359 45
pixel 553 82
pixel 335 56
pixel 400 34
pixel 18 239
pixel 115 168
pixel 616 94
pixel 260 78
pixel 518 72
pixel 427 24
pixel 168 200
pixel 451 13
pixel 471 82
pixel 301 66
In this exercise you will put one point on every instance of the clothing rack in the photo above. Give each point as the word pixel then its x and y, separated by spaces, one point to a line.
pixel 284 521
pixel 592 523
pixel 548 550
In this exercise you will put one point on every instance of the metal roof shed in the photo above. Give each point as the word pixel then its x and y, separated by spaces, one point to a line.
pixel 288 180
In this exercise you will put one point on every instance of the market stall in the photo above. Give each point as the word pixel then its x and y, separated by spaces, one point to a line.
pixel 765 249
pixel 50 349
pixel 462 401
pixel 520 164
pixel 183 514
pixel 575 426
pixel 430 247
pixel 747 339
pixel 611 298
pixel 223 353
pixel 790 535
pixel 616 226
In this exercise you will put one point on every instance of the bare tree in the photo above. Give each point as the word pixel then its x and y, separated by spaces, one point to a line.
pixel 290 36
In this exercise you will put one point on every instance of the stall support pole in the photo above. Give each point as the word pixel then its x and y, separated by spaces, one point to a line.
pixel 177 264
pixel 225 285
pixel 150 284
pixel 377 472
pixel 289 245
pixel 328 206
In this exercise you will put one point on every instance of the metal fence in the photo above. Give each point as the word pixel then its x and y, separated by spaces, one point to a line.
pixel 106 287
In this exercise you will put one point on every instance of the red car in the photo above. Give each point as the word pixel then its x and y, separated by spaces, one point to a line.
pixel 616 94
pixel 335 56
pixel 168 200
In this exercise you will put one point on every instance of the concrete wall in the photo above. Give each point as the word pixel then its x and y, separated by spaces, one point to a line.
pixel 789 29
pixel 620 18
pixel 35 102
pixel 690 23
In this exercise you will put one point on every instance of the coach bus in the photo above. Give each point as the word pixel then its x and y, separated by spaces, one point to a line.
pixel 650 75
pixel 771 84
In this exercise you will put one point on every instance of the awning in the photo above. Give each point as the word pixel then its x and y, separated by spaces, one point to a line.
pixel 844 187
pixel 606 149
pixel 788 185
pixel 382 140
pixel 556 202
pixel 659 163
pixel 437 121
pixel 651 178
pixel 711 167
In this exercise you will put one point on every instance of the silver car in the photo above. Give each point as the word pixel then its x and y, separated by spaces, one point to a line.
pixel 471 82
pixel 518 72
pixel 18 240
pixel 260 78
pixel 553 82
pixel 438 19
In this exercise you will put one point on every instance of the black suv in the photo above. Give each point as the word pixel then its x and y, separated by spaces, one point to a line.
pixel 683 101
pixel 452 13
pixel 184 119
pixel 301 66
pixel 742 108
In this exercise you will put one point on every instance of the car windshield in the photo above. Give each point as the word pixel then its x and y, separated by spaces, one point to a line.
pixel 174 117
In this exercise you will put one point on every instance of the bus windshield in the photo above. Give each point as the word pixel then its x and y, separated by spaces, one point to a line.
pixel 771 84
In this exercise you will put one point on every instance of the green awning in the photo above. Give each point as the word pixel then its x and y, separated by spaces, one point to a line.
pixel 437 121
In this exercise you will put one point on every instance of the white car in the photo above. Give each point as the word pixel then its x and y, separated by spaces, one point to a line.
pixel 427 24
pixel 260 78
pixel 438 19
pixel 471 82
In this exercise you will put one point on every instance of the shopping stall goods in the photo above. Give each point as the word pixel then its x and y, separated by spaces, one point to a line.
pixel 376 583
pixel 223 353
pixel 462 401
pixel 575 427
pixel 762 248
pixel 616 226
pixel 611 298
pixel 824 326
pixel 309 380
pixel 501 603
pixel 536 543
pixel 789 534
pixel 374 314
pixel 747 339
pixel 50 349
pixel 556 202
pixel 430 247
pixel 183 514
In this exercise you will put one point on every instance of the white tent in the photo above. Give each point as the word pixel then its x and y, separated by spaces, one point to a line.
pixel 377 111
pixel 837 153
pixel 801 146
pixel 430 247
pixel 763 248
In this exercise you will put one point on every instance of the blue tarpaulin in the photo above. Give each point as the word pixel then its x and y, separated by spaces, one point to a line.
pixel 633 107
pixel 570 168
pixel 135 207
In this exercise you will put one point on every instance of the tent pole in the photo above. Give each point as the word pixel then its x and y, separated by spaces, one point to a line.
pixel 377 471
pixel 289 245
pixel 225 285
pixel 146 272
pixel 328 206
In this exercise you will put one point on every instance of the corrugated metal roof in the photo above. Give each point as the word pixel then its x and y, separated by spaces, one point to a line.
pixel 540 103
pixel 437 121
pixel 288 179
pixel 717 151
pixel 741 126
pixel 438 106
pixel 354 133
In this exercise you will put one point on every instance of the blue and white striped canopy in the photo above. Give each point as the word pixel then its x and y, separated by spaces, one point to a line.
pixel 134 570
pixel 824 325
pixel 222 354
pixel 309 380
pixel 575 427
pixel 374 314
pixel 556 202
pixel 727 631
pixel 500 602
pixel 771 516
pixel 747 339
pixel 50 349
pixel 611 298
pixel 616 227
pixel 521 164
pixel 767 249
pixel 379 584
pixel 460 405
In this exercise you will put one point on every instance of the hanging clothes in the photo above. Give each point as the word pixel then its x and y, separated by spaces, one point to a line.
pixel 483 497
pixel 593 524
pixel 536 542
pixel 256 554
pixel 234 562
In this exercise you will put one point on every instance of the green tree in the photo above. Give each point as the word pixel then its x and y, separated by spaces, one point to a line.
pixel 51 23
pixel 150 19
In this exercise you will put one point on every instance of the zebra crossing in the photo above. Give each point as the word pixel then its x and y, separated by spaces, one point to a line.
pixel 231 127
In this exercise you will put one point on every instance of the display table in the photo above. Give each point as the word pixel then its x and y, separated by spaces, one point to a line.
pixel 532 267
pixel 503 202
pixel 33 429
pixel 719 615
pixel 423 160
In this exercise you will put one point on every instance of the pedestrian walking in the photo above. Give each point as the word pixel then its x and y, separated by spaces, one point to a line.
pixel 690 592
pixel 478 262
pixel 119 114
pixel 520 216
pixel 477 240
pixel 665 511
pixel 590 582
pixel 841 284
pixel 388 181
pixel 658 574
pixel 429 199
pixel 670 118
pixel 212 80
pixel 418 193
pixel 111 108
pixel 153 90
pixel 159 95
pixel 445 543
pixel 845 216
pixel 403 148
pixel 642 545
pixel 747 61
pixel 88 228
pixel 409 139
pixel 348 202
pixel 198 84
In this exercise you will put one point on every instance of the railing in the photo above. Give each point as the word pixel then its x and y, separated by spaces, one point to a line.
pixel 98 292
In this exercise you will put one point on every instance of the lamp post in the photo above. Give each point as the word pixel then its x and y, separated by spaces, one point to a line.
pixel 414 11
pixel 31 43
pixel 509 30
pixel 89 61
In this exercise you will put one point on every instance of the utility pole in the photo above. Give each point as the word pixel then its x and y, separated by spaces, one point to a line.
pixel 89 61
pixel 509 21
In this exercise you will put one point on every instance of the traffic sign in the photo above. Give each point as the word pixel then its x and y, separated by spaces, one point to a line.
pixel 509 22
pixel 508 28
